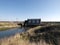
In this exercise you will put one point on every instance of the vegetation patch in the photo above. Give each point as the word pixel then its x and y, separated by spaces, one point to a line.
pixel 3 29
pixel 48 35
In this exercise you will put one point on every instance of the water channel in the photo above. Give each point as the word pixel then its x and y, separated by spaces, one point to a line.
pixel 11 32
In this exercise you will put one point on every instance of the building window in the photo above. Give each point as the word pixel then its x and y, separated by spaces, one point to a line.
pixel 37 21
pixel 29 21
pixel 33 21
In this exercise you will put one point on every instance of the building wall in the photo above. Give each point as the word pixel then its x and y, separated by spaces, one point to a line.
pixel 33 22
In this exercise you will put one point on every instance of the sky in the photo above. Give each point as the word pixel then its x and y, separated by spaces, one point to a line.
pixel 20 10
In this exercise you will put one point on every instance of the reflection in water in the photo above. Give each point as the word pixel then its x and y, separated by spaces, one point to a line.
pixel 10 32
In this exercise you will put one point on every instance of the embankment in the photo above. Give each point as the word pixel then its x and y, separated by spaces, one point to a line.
pixel 35 36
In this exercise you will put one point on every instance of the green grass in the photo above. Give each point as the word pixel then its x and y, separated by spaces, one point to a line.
pixel 4 29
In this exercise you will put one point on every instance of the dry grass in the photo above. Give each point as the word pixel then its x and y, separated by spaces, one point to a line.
pixel 40 36
pixel 13 40
pixel 18 40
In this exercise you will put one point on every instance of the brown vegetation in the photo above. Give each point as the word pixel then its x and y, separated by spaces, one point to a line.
pixel 7 25
pixel 48 35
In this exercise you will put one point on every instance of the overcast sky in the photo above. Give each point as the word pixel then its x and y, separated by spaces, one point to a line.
pixel 12 10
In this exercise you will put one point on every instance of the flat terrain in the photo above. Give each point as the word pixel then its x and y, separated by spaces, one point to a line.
pixel 4 25
pixel 40 35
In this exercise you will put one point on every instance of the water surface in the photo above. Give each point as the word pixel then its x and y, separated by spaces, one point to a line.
pixel 11 32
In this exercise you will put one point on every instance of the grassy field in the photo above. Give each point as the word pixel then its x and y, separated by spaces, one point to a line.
pixel 7 25
pixel 6 28
pixel 45 35
pixel 3 29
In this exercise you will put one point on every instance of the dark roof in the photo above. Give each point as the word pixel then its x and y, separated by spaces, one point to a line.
pixel 34 19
